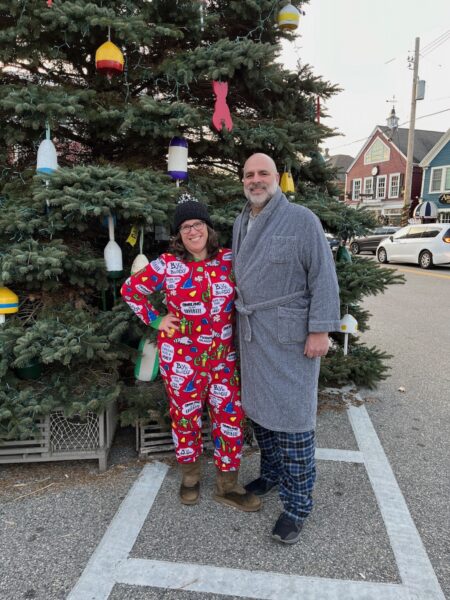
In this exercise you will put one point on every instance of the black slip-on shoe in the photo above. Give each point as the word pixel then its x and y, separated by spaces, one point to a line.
pixel 260 487
pixel 287 530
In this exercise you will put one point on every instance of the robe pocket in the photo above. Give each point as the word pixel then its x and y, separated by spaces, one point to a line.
pixel 281 248
pixel 292 325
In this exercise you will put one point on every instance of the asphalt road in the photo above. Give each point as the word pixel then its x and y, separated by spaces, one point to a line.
pixel 412 322
pixel 53 517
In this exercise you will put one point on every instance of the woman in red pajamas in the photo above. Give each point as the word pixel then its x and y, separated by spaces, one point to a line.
pixel 196 351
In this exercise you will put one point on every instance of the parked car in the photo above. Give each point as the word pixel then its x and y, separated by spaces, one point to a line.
pixel 370 242
pixel 332 241
pixel 425 245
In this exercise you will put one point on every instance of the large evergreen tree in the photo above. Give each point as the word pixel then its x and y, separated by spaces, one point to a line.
pixel 112 137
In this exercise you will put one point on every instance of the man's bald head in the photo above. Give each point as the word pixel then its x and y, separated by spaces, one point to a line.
pixel 260 180
pixel 260 158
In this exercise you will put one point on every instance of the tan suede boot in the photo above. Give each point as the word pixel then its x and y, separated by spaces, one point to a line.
pixel 190 482
pixel 229 491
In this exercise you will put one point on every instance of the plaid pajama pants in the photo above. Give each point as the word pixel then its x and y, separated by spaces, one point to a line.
pixel 288 459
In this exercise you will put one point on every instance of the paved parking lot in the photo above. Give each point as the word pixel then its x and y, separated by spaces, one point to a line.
pixel 379 530
pixel 360 542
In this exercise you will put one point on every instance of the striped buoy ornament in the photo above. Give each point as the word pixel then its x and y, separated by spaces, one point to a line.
pixel 288 18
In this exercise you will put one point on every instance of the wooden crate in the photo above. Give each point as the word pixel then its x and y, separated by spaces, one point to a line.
pixel 153 438
pixel 61 438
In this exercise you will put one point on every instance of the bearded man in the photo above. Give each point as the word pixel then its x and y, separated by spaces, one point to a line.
pixel 287 302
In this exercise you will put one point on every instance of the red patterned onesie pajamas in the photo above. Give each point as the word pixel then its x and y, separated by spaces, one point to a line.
pixel 198 362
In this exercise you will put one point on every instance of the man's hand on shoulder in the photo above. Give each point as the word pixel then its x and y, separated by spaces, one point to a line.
pixel 316 345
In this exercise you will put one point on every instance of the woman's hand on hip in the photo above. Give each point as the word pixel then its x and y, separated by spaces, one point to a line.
pixel 169 324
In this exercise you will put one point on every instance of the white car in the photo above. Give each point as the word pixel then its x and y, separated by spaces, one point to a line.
pixel 425 245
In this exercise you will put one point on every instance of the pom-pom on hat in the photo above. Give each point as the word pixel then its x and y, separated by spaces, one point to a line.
pixel 188 208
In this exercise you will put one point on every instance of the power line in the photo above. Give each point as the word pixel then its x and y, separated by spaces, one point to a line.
pixel 429 47
pixel 431 114
pixel 435 46
pixel 436 40
pixel 365 139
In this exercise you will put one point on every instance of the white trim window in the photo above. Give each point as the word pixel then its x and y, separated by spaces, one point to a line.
pixel 368 185
pixel 356 188
pixel 381 187
pixel 440 180
pixel 394 185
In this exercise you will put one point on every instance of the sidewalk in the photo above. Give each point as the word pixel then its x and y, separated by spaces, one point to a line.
pixel 359 542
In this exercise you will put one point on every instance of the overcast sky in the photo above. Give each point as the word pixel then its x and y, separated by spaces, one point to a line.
pixel 363 46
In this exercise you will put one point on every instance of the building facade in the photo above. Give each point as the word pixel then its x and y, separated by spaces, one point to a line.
pixel 375 179
pixel 436 177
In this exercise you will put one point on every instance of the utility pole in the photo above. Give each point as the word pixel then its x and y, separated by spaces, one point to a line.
pixel 410 153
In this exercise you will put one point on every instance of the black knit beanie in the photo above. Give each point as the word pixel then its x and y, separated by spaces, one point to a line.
pixel 188 208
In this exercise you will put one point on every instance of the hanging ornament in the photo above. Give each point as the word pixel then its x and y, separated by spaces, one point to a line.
pixel 9 303
pixel 47 159
pixel 287 183
pixel 221 116
pixel 348 324
pixel 49 3
pixel 202 14
pixel 288 18
pixel 113 254
pixel 141 260
pixel 147 363
pixel 109 58
pixel 177 162
pixel 343 255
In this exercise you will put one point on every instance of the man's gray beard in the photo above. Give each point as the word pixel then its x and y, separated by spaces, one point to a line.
pixel 260 202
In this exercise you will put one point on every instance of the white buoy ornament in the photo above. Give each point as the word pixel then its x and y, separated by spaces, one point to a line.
pixel 113 254
pixel 348 325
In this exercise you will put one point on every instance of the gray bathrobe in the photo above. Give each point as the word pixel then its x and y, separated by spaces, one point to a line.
pixel 286 287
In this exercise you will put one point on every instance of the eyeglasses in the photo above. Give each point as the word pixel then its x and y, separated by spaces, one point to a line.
pixel 198 225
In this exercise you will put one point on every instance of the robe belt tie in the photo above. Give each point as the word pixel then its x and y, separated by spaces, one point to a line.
pixel 245 310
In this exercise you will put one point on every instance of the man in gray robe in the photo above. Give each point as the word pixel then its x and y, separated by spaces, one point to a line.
pixel 287 302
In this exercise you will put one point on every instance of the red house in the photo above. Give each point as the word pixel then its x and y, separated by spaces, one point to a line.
pixel 375 179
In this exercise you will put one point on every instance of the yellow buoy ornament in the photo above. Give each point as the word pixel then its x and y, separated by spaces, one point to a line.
pixel 287 183
pixel 288 18
pixel 109 59
pixel 9 303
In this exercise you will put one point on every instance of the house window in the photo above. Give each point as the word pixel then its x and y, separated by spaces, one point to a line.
pixel 436 178
pixel 440 180
pixel 381 186
pixel 444 217
pixel 447 180
pixel 378 152
pixel 356 189
pixel 368 185
pixel 394 185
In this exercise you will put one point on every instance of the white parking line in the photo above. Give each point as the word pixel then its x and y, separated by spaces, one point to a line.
pixel 413 564
pixel 261 585
pixel 110 563
pixel 352 456
pixel 99 576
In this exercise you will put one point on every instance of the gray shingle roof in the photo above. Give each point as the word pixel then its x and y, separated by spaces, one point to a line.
pixel 341 163
pixel 423 140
